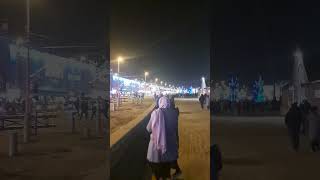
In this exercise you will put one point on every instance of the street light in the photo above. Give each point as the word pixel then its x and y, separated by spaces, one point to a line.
pixel 145 76
pixel 161 83
pixel 165 84
pixel 156 80
pixel 119 61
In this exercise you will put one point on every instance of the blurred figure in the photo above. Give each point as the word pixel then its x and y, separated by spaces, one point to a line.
pixel 314 128
pixel 94 110
pixel 202 100
pixel 77 105
pixel 216 162
pixel 2 109
pixel 293 123
pixel 207 101
pixel 84 106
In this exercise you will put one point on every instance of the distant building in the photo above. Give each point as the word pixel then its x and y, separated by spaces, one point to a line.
pixel 304 85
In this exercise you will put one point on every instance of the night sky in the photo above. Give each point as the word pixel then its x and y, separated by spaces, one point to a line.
pixel 258 37
pixel 169 39
pixel 62 22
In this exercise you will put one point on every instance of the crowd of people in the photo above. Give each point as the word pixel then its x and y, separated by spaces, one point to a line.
pixel 138 97
pixel 80 104
pixel 14 106
pixel 163 149
pixel 244 106
pixel 303 119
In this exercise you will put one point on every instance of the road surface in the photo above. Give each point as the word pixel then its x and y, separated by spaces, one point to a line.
pixel 258 148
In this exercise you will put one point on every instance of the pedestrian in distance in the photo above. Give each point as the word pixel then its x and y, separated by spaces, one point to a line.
pixel 207 101
pixel 293 123
pixel 202 100
pixel 84 106
pixel 94 110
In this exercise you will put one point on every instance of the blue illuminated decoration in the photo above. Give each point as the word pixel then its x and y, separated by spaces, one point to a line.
pixel 233 85
pixel 258 92
pixel 190 90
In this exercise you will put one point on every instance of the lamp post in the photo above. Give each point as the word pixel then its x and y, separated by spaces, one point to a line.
pixel 26 129
pixel 145 76
pixel 119 61
pixel 156 80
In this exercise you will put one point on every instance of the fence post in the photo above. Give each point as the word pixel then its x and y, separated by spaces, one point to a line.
pixel 13 143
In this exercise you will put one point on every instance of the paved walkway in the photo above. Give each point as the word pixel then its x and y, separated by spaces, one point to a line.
pixel 258 148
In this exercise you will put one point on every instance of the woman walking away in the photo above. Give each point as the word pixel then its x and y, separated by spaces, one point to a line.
pixel 163 146
pixel 314 128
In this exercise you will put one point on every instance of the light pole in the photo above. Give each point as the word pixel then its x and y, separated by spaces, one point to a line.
pixel 161 83
pixel 119 61
pixel 26 130
pixel 145 76
pixel 156 80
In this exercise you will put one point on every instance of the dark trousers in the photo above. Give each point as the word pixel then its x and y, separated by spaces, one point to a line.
pixel 294 138
pixel 201 105
pixel 175 165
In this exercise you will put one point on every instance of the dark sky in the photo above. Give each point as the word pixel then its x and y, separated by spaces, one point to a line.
pixel 64 22
pixel 258 37
pixel 167 38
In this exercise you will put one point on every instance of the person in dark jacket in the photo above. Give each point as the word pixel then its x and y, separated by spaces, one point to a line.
pixel 305 109
pixel 202 100
pixel 293 121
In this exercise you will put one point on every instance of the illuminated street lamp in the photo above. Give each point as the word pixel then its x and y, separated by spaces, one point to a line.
pixel 161 83
pixel 145 76
pixel 156 80
pixel 119 61
pixel 165 84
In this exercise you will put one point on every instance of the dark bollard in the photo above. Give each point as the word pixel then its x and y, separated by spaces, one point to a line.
pixel 73 123
pixel 98 125
pixel 13 144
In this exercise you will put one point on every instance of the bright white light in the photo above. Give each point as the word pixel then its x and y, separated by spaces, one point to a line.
pixel 120 59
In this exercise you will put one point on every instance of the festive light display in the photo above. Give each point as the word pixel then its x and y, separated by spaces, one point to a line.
pixel 233 85
pixel 258 91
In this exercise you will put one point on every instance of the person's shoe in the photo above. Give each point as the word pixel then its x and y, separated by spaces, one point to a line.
pixel 177 174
